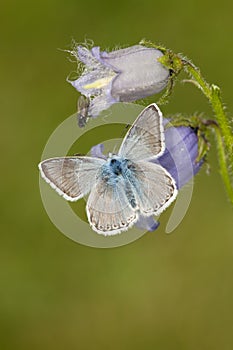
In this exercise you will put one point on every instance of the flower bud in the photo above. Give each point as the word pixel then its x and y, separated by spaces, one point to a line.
pixel 119 76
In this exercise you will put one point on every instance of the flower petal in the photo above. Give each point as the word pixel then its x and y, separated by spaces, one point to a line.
pixel 180 155
pixel 98 104
pixel 147 223
pixel 121 75
pixel 87 85
pixel 141 74
pixel 86 56
pixel 97 77
pixel 97 151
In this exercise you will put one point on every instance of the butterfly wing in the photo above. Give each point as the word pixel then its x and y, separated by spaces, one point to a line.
pixel 71 177
pixel 109 209
pixel 155 188
pixel 145 138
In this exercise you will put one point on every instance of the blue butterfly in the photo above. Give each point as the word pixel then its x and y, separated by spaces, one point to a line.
pixel 125 185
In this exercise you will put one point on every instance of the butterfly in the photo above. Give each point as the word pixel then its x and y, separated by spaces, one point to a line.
pixel 123 186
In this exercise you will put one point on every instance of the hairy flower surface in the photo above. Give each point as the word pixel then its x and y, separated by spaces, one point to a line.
pixel 119 76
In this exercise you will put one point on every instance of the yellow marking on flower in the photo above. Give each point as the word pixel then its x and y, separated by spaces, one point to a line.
pixel 98 83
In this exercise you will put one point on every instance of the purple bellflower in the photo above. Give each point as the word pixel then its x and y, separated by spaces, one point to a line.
pixel 119 76
pixel 179 159
pixel 181 153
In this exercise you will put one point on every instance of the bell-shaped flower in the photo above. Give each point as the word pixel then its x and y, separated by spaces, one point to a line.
pixel 119 76
pixel 181 153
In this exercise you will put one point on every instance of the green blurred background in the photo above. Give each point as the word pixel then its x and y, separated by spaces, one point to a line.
pixel 160 292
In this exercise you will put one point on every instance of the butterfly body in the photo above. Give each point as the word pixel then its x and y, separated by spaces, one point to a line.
pixel 116 166
pixel 118 169
pixel 123 186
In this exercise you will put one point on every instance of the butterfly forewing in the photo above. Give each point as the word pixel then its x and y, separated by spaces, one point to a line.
pixel 145 138
pixel 71 177
pixel 156 189
pixel 108 209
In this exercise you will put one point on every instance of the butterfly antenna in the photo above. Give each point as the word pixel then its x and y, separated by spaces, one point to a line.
pixel 114 151
pixel 126 128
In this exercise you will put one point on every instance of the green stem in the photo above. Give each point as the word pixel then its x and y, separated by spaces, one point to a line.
pixel 223 132
pixel 223 129
pixel 223 164
pixel 221 116
pixel 212 92
pixel 196 75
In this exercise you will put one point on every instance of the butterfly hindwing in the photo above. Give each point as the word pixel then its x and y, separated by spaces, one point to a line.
pixel 155 189
pixel 110 207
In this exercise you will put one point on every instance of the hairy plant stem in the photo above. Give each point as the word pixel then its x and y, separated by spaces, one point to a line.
pixel 223 132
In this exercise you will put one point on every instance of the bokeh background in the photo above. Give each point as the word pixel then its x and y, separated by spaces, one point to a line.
pixel 160 292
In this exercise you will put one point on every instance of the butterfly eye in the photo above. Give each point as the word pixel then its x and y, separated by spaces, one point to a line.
pixel 113 161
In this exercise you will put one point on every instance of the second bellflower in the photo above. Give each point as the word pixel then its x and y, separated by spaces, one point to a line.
pixel 119 76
